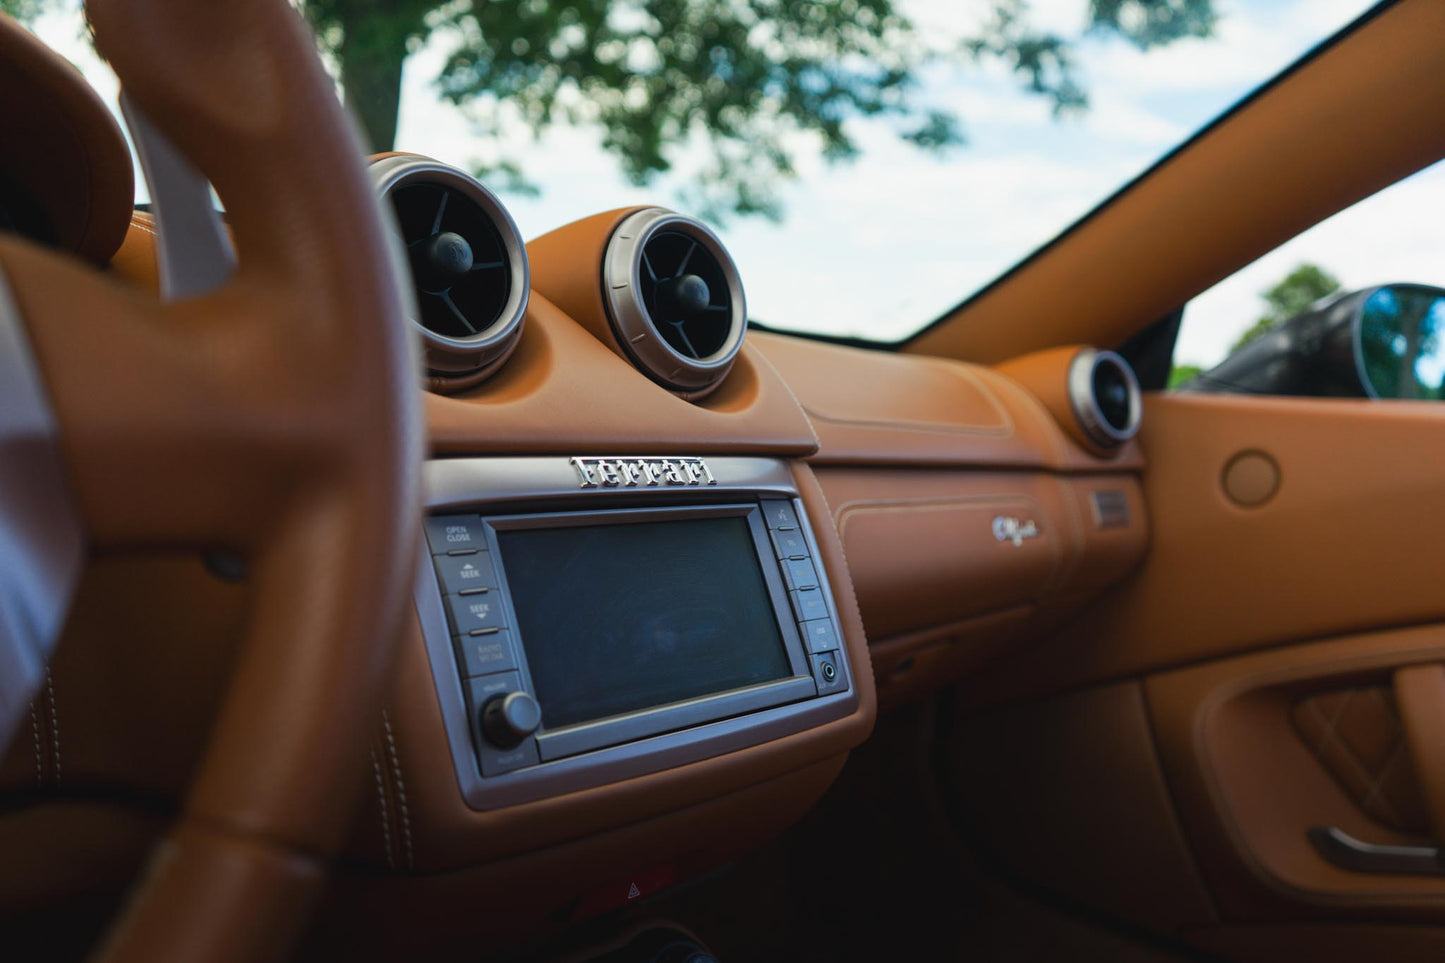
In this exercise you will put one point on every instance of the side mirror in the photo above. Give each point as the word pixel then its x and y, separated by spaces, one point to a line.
pixel 1380 342
pixel 1398 342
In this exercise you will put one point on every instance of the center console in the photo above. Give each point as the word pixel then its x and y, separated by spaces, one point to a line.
pixel 588 620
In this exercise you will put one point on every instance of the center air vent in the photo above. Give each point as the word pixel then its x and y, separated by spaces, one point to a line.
pixel 674 299
pixel 468 265
pixel 1105 397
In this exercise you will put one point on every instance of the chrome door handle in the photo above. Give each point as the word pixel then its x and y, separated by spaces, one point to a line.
pixel 1345 851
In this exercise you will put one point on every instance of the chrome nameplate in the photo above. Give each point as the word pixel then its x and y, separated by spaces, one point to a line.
pixel 643 472
pixel 1007 529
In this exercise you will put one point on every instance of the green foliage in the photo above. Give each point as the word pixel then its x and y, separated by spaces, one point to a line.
pixel 1183 373
pixel 26 10
pixel 1301 288
pixel 1151 23
pixel 752 84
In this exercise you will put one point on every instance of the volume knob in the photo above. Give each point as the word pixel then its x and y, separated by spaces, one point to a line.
pixel 508 719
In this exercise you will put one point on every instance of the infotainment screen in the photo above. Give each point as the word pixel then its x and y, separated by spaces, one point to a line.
pixel 620 617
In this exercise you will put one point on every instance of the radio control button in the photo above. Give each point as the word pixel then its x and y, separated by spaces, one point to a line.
pixel 800 574
pixel 472 612
pixel 809 604
pixel 483 654
pixel 790 544
pixel 450 533
pixel 780 515
pixel 819 635
pixel 461 573
pixel 492 760
pixel 510 718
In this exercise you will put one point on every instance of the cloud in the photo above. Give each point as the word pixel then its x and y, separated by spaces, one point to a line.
pixel 881 246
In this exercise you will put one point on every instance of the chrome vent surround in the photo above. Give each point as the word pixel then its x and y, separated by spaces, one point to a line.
pixel 674 299
pixel 1104 394
pixel 467 260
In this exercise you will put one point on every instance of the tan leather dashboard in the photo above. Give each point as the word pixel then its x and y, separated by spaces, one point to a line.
pixel 916 457
pixel 955 518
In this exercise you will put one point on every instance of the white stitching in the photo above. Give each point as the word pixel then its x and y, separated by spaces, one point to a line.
pixel 400 788
pixel 39 762
pixel 385 817
pixel 54 725
pixel 802 409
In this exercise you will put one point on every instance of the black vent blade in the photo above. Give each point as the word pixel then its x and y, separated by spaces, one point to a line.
pixel 458 259
pixel 685 291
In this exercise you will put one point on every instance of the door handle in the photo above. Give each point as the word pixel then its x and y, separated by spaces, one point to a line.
pixel 1420 697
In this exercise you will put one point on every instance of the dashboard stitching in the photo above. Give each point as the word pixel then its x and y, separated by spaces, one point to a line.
pixel 1005 428
pixel 817 443
pixel 385 815
pixel 54 724
pixel 891 506
pixel 35 732
pixel 1080 537
pixel 400 788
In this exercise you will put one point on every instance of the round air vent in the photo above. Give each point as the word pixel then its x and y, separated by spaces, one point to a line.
pixel 1105 397
pixel 468 265
pixel 674 299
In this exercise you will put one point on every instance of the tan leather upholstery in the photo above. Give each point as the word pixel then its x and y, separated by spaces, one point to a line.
pixel 1357 736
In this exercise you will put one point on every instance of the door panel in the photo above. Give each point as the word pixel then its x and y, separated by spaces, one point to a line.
pixel 1349 541
pixel 1288 657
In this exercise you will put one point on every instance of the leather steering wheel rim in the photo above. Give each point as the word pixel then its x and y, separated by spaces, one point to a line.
pixel 278 416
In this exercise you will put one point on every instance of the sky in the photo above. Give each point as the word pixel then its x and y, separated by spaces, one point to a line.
pixel 878 247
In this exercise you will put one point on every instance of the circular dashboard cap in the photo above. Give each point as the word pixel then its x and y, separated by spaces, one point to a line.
pixel 508 719
pixel 674 299
pixel 1104 394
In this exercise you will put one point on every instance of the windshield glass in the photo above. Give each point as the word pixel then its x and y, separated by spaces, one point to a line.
pixel 869 163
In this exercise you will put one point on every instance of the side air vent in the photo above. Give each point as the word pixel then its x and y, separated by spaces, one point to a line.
pixel 468 265
pixel 1105 397
pixel 674 299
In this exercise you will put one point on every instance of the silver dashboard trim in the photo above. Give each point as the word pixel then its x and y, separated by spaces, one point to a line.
pixel 1086 405
pixel 490 486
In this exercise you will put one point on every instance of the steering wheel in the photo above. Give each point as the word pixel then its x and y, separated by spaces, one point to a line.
pixel 276 415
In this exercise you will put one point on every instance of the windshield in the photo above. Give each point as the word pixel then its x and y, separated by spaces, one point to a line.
pixel 869 163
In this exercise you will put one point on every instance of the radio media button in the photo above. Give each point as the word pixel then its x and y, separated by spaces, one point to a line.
pixel 790 544
pixel 800 574
pixel 827 672
pixel 450 533
pixel 820 635
pixel 809 604
pixel 780 515
pixel 473 612
pixel 463 573
pixel 481 654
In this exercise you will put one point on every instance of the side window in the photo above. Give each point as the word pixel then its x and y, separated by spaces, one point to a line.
pixel 1353 307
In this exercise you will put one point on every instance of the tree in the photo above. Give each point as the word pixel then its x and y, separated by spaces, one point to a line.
pixel 1301 288
pixel 757 82
pixel 1183 374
